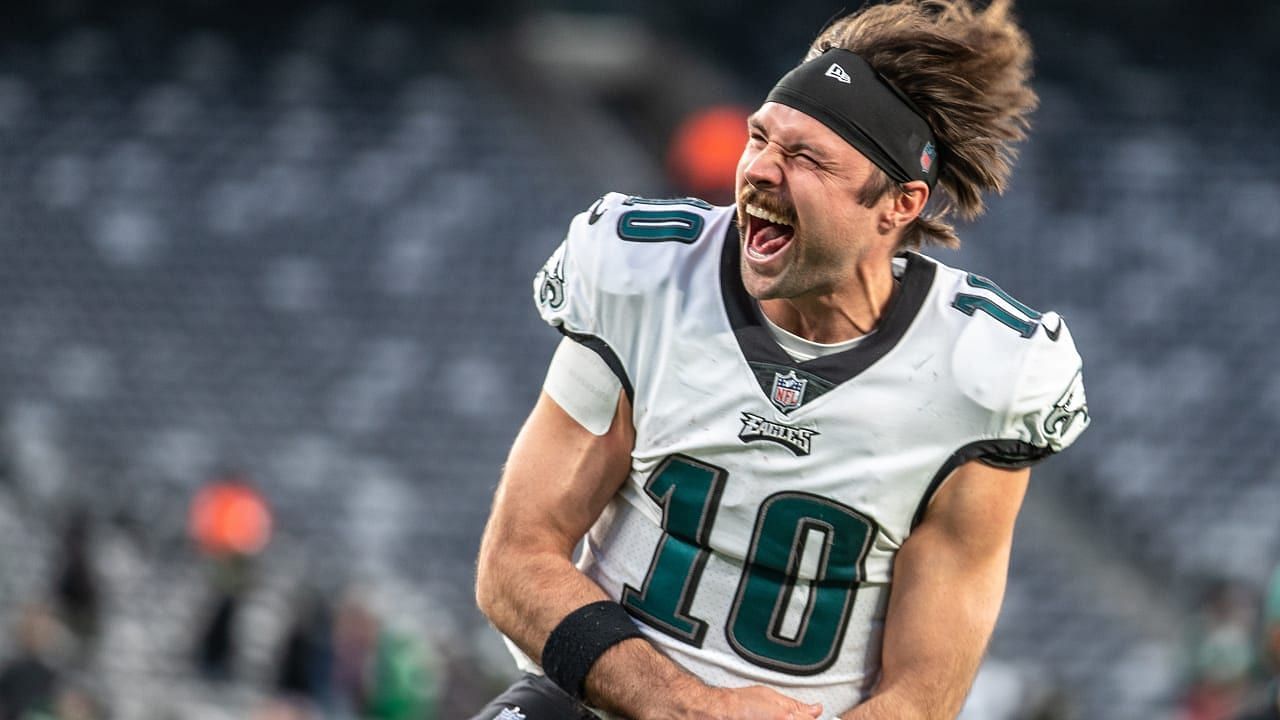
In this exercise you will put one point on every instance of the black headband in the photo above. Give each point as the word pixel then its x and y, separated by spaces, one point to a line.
pixel 839 89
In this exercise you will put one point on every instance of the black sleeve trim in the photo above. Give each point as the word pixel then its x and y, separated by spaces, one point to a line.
pixel 606 353
pixel 1004 454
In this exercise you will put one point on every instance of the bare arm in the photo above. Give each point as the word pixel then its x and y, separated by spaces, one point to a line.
pixel 558 479
pixel 948 583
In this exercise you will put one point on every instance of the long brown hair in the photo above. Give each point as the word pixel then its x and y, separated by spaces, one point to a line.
pixel 968 71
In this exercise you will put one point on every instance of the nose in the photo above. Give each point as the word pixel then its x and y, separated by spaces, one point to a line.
pixel 764 169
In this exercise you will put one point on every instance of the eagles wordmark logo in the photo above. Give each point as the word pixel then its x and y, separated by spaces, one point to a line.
pixel 798 440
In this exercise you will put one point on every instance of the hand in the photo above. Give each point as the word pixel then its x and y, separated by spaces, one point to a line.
pixel 761 703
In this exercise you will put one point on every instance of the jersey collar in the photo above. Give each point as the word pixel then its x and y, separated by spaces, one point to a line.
pixel 820 375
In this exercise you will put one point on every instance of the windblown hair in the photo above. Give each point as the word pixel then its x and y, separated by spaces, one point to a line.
pixel 968 71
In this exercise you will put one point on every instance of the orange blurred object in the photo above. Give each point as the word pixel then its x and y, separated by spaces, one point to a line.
pixel 705 150
pixel 230 517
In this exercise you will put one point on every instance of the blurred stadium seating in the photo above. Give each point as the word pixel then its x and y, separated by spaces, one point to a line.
pixel 300 247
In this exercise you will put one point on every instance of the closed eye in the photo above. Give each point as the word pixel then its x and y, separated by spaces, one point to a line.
pixel 810 161
pixel 799 151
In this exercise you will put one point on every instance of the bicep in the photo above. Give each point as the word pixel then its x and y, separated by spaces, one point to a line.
pixel 975 509
pixel 960 552
pixel 558 478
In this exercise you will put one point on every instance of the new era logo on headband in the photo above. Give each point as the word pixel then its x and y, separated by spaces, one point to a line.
pixel 878 120
pixel 837 72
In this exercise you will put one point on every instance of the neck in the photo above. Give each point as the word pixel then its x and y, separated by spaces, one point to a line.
pixel 849 311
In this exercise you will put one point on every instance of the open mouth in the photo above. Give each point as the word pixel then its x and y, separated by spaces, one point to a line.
pixel 768 234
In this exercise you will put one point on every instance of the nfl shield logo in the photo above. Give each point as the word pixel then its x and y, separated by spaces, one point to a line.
pixel 927 156
pixel 788 391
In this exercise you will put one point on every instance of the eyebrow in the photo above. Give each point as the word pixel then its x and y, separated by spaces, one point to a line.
pixel 792 149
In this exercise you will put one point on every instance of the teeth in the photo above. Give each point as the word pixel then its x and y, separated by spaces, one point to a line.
pixel 765 215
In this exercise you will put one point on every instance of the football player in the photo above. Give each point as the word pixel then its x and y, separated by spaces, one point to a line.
pixel 795 446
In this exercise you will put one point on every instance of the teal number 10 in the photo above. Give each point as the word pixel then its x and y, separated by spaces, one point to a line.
pixel 967 304
pixel 689 493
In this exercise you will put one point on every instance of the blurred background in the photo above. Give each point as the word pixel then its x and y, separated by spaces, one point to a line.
pixel 266 334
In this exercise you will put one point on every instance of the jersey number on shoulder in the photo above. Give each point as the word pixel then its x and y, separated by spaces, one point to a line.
pixel 669 224
pixel 775 621
pixel 1024 321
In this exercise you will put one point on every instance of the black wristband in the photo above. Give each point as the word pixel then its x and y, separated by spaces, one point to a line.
pixel 580 639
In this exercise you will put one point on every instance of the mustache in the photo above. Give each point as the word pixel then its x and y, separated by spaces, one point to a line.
pixel 753 196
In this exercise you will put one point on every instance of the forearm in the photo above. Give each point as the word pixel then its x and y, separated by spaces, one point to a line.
pixel 906 700
pixel 934 641
pixel 527 595
pixel 633 680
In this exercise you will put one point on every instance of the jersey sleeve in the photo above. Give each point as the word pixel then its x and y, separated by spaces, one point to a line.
pixel 1031 387
pixel 1048 409
pixel 564 290
pixel 596 287
pixel 592 283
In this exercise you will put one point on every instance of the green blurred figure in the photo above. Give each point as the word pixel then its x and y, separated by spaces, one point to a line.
pixel 406 681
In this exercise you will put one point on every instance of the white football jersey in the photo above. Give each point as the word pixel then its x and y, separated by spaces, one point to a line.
pixel 754 541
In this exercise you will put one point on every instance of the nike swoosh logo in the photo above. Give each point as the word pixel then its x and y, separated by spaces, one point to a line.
pixel 1053 334
pixel 595 212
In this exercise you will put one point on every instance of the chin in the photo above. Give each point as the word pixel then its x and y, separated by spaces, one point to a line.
pixel 761 288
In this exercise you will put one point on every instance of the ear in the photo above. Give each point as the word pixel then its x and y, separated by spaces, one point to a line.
pixel 908 204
